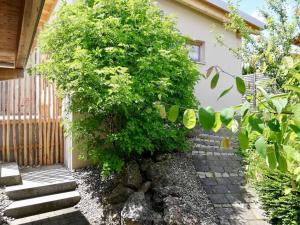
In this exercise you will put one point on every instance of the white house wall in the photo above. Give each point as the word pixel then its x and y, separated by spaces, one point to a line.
pixel 198 26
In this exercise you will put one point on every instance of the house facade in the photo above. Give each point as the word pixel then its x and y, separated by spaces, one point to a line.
pixel 201 21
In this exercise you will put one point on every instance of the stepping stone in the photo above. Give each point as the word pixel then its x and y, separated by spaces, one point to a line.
pixel 42 204
pixel 63 216
pixel 10 174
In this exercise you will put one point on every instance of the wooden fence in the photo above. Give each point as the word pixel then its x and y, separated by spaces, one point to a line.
pixel 30 122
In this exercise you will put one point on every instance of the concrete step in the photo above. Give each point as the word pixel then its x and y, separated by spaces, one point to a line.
pixel 10 174
pixel 33 206
pixel 34 189
pixel 58 217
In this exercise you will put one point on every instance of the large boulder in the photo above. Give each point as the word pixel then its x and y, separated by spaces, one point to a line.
pixel 137 211
pixel 119 194
pixel 132 177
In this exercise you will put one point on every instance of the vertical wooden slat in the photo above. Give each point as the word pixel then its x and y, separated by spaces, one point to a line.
pixel 25 122
pixel 53 125
pixel 56 130
pixel 30 152
pixel 40 127
pixel 3 120
pixel 35 147
pixel 14 121
pixel 8 123
pixel 44 124
pixel 49 123
pixel 61 143
pixel 19 121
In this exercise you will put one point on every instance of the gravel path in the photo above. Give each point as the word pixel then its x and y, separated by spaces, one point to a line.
pixel 4 202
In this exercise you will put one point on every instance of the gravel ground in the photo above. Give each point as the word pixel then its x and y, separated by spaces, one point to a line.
pixel 4 202
pixel 92 189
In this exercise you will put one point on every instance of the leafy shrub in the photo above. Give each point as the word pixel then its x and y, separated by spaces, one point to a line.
pixel 282 205
pixel 113 59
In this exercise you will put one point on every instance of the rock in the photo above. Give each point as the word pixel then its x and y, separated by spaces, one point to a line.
pixel 162 157
pixel 136 211
pixel 145 187
pixel 132 176
pixel 119 194
pixel 145 165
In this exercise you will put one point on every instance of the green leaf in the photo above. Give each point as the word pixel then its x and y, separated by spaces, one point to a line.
pixel 227 115
pixel 282 165
pixel 173 113
pixel 292 88
pixel 240 84
pixel 214 81
pixel 256 124
pixel 209 71
pixel 274 125
pixel 291 153
pixel 271 157
pixel 280 104
pixel 218 122
pixel 161 110
pixel 189 118
pixel 225 92
pixel 243 140
pixel 296 129
pixel 245 108
pixel 207 118
pixel 296 111
pixel 261 147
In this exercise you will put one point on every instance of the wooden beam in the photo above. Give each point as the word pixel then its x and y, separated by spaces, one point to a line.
pixel 10 73
pixel 31 16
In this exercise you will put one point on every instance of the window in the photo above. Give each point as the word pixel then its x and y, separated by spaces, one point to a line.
pixel 196 51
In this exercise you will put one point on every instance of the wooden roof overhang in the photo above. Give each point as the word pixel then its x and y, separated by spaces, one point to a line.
pixel 219 9
pixel 20 21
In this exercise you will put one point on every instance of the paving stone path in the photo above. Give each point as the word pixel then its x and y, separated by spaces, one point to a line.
pixel 222 175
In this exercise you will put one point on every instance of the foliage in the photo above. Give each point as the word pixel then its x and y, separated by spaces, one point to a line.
pixel 264 51
pixel 281 202
pixel 112 59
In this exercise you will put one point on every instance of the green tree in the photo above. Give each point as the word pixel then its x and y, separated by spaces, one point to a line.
pixel 264 51
pixel 113 59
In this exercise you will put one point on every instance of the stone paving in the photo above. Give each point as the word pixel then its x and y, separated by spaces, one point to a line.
pixel 222 175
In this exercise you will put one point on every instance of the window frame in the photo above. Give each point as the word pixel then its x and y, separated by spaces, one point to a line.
pixel 201 45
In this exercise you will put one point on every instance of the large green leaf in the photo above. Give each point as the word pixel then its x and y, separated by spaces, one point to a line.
pixel 261 147
pixel 225 92
pixel 271 157
pixel 296 111
pixel 227 115
pixel 214 81
pixel 243 140
pixel 240 84
pixel 274 125
pixel 207 118
pixel 256 123
pixel 218 122
pixel 279 104
pixel 189 118
pixel 173 113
